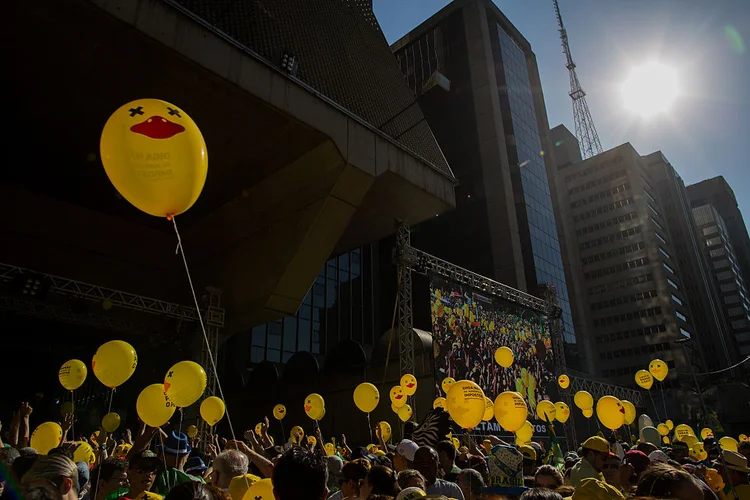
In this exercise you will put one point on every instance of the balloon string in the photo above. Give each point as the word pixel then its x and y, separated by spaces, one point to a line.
pixel 181 251
pixel 103 445
pixel 653 403
pixel 369 427
pixel 663 399
pixel 179 429
pixel 73 406
pixel 164 459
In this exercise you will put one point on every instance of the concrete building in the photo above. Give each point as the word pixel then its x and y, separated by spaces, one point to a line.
pixel 726 271
pixel 491 123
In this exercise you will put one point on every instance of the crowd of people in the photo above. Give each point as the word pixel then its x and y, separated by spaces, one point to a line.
pixel 165 463
pixel 469 328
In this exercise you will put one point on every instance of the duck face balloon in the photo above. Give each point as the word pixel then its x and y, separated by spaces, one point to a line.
pixel 398 398
pixel 658 369
pixel 315 406
pixel 447 383
pixel 409 384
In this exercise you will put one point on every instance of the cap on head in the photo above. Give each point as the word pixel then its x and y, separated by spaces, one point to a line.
pixel 596 443
pixel 528 452
pixel 407 448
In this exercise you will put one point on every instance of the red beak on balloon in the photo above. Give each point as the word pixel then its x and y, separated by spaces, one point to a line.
pixel 409 385
pixel 622 410
pixel 308 408
pixel 157 127
pixel 167 385
pixel 399 396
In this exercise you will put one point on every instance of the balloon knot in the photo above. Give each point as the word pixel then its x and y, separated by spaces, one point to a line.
pixel 169 217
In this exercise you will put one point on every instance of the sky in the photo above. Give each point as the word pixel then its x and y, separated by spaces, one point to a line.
pixel 707 42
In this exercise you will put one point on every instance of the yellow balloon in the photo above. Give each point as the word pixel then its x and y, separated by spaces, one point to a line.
pixel 588 412
pixel 489 409
pixel 456 443
pixel 394 408
pixel 743 438
pixel 726 443
pixel 84 453
pixel 610 412
pixel 663 429
pixel 409 384
pixel 644 379
pixel 630 412
pixel 153 407
pixel 315 406
pixel 311 440
pixel 191 431
pixel 670 424
pixel 698 452
pixel 366 397
pixel 690 440
pixel 683 430
pixel 525 433
pixel 504 357
pixel 72 374
pixel 213 410
pixel 110 422
pixel 404 413
pixel 46 437
pixel 465 403
pixel 67 408
pixel 330 449
pixel 658 369
pixel 510 411
pixel 260 490
pixel 114 363
pixel 296 430
pixel 398 396
pixel 385 430
pixel 185 383
pixel 279 412
pixel 665 440
pixel 447 383
pixel 563 381
pixel 562 412
pixel 258 429
pixel 706 433
pixel 155 156
pixel 545 410
pixel 439 402
pixel 583 400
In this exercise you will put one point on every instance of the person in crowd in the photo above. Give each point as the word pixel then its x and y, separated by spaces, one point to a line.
pixel 411 478
pixel 595 451
pixel 353 475
pixel 142 471
pixel 227 465
pixel 447 456
pixel 54 476
pixel 541 494
pixel 680 452
pixel 403 458
pixel 744 449
pixel 380 480
pixel 529 460
pixel 565 490
pixel 426 461
pixel 471 483
pixel 193 490
pixel 176 453
pixel 411 493
pixel 593 489
pixel 300 474
pixel 611 472
pixel 195 466
pixel 109 478
pixel 548 477
pixel 735 471
pixel 665 481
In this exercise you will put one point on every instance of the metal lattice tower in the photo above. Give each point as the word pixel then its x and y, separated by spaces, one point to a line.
pixel 404 263
pixel 588 138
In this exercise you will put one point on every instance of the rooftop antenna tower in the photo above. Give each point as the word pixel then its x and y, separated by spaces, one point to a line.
pixel 588 138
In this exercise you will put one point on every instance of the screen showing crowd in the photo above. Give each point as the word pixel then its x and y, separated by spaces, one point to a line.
pixel 468 327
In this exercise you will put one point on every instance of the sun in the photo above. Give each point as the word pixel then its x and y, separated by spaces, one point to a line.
pixel 650 90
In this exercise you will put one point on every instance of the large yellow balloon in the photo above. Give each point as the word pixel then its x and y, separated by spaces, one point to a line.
pixel 279 412
pixel 110 422
pixel 385 430
pixel 367 397
pixel 658 369
pixel 583 400
pixel 683 430
pixel 690 440
pixel 489 409
pixel 405 413
pixel 670 424
pixel 510 411
pixel 155 156
pixel 588 412
pixel 114 363
pixel 260 490
pixel 409 384
pixel 185 383
pixel 706 433
pixel 630 412
pixel 447 383
pixel 315 406
pixel 726 443
pixel 644 379
pixel 397 396
pixel 663 429
pixel 72 374
pixel 439 402
pixel 84 453
pixel 153 407
pixel 562 412
pixel 465 402
pixel 610 412
pixel 213 410
pixel 545 410
pixel 191 431
pixel 295 432
pixel 48 436
pixel 564 381
pixel 504 357
pixel 525 433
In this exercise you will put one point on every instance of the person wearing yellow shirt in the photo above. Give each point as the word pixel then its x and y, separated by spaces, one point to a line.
pixel 595 453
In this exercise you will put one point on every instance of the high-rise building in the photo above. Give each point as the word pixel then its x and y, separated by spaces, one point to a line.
pixel 725 269
pixel 622 260
pixel 492 127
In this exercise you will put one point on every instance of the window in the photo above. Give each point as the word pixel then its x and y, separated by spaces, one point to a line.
pixel 659 237
pixel 677 300
pixel 673 284
pixel 653 221
pixel 664 264
pixel 655 211
pixel 713 241
pixel 721 264
pixel 665 254
pixel 685 333
pixel 710 230
pixel 718 252
pixel 633 264
pixel 731 299
pixel 681 316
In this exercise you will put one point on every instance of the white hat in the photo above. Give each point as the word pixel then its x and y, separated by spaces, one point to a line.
pixel 411 493
pixel 658 456
pixel 407 448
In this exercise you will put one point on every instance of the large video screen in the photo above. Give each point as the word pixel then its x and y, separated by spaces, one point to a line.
pixel 468 327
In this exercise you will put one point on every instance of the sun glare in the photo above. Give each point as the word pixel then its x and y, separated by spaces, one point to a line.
pixel 650 90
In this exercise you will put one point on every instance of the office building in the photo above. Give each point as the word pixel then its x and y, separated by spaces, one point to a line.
pixel 726 271
pixel 490 121
pixel 622 258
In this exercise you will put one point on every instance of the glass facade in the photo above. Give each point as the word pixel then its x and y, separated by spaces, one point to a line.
pixel 338 306
pixel 545 245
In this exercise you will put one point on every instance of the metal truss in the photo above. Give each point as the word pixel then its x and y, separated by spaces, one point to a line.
pixel 64 314
pixel 405 260
pixel 599 389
